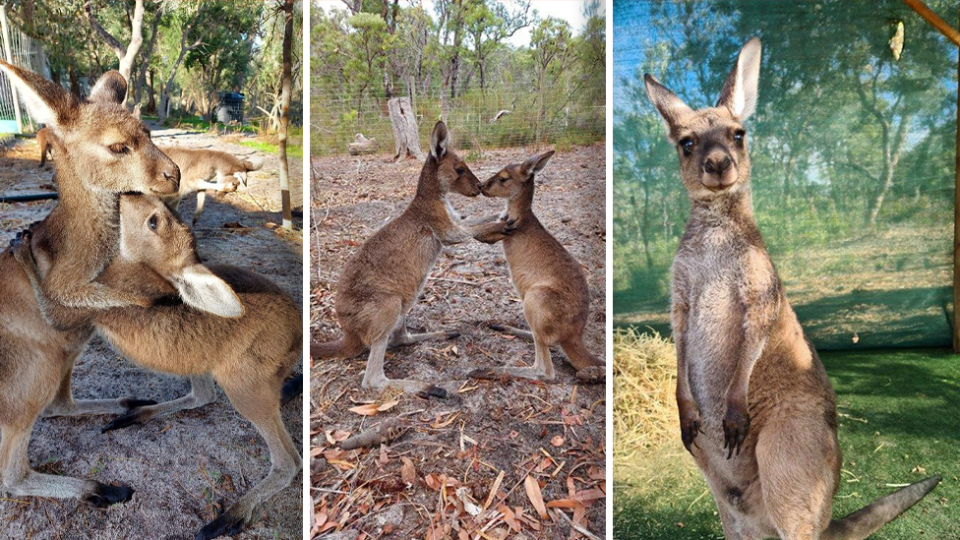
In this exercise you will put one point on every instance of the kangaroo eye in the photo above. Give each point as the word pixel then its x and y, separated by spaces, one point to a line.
pixel 461 170
pixel 738 136
pixel 152 223
pixel 687 144
pixel 118 149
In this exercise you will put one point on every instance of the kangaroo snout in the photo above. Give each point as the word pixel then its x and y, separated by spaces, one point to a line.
pixel 171 180
pixel 719 171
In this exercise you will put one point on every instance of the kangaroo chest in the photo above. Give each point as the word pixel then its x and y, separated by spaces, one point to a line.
pixel 711 268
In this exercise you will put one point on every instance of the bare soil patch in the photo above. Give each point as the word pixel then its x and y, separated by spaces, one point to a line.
pixel 431 480
pixel 187 466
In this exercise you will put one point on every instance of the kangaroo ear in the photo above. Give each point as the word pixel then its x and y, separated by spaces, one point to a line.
pixel 536 163
pixel 439 140
pixel 739 93
pixel 670 107
pixel 201 289
pixel 110 88
pixel 48 102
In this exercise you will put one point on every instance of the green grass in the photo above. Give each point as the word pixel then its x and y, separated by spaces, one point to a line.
pixel 899 422
pixel 293 151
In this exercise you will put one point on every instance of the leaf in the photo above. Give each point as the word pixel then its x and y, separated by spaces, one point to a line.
pixel 407 471
pixel 387 406
pixel 368 409
pixel 557 440
pixel 536 497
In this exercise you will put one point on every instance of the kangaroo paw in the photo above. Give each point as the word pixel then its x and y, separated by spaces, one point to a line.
pixel 230 523
pixel 104 495
pixel 433 391
pixel 736 426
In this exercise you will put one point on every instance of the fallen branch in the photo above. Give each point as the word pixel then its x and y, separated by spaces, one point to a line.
pixel 375 436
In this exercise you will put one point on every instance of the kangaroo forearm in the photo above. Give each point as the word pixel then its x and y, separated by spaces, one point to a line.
pixel 55 315
pixel 481 220
pixel 453 235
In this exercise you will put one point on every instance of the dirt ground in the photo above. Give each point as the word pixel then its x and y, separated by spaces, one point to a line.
pixel 467 467
pixel 187 466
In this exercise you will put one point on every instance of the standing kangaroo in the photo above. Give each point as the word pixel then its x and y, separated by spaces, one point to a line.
pixel 383 280
pixel 232 324
pixel 556 298
pixel 44 141
pixel 199 166
pixel 102 151
pixel 757 411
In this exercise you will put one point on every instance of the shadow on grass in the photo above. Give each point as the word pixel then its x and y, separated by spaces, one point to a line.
pixel 899 423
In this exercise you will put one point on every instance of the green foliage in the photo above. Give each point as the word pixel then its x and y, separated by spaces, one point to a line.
pixel 852 158
pixel 457 63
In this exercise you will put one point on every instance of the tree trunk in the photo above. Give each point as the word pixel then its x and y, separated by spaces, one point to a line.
pixel 405 135
pixel 168 87
pixel 145 61
pixel 151 94
pixel 127 55
pixel 285 113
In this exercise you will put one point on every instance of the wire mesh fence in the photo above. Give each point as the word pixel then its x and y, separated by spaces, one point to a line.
pixel 23 52
pixel 501 116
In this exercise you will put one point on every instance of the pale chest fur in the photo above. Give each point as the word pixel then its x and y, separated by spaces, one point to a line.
pixel 710 267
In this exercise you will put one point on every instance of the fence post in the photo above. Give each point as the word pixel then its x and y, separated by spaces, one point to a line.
pixel 9 58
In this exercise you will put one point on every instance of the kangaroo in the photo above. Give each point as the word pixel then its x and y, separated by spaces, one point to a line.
pixel 556 298
pixel 232 324
pixel 46 145
pixel 102 151
pixel 757 411
pixel 199 166
pixel 382 281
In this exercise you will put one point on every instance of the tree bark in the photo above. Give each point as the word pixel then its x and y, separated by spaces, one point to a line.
pixel 145 61
pixel 404 123
pixel 125 55
pixel 166 88
pixel 287 8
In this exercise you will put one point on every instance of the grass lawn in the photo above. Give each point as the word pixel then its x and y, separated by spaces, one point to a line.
pixel 899 423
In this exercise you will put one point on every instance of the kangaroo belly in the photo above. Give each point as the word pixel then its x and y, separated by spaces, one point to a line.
pixel 713 339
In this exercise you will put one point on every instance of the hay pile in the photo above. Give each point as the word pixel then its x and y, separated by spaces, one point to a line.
pixel 644 389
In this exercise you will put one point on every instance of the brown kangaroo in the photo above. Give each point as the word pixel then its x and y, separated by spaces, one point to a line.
pixel 757 411
pixel 232 324
pixel 45 144
pixel 199 166
pixel 556 298
pixel 102 151
pixel 383 280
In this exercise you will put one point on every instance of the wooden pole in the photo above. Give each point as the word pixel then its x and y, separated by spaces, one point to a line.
pixel 8 53
pixel 931 17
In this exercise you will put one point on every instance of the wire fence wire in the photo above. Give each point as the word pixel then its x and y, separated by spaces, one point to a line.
pixel 496 117
pixel 25 53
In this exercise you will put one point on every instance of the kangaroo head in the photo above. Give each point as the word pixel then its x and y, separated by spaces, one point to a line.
pixel 153 237
pixel 515 178
pixel 452 172
pixel 712 142
pixel 99 143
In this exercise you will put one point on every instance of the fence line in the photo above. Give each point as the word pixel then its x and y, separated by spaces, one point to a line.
pixel 22 52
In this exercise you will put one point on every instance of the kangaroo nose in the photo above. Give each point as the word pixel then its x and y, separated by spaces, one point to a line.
pixel 717 165
pixel 172 176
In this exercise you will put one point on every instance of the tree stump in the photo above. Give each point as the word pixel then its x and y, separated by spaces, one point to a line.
pixel 405 135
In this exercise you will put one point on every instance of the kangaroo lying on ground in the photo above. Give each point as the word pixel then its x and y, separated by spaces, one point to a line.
pixel 199 166
pixel 757 411
pixel 556 298
pixel 102 151
pixel 382 281
pixel 232 324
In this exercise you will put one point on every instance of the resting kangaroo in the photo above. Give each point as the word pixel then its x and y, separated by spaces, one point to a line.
pixel 232 324
pixel 556 298
pixel 102 151
pixel 199 166
pixel 384 278
pixel 757 411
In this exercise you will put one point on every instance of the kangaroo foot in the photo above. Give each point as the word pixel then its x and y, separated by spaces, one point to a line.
pixel 230 523
pixel 592 375
pixel 104 495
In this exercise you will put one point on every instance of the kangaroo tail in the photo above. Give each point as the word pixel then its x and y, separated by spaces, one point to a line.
pixel 291 389
pixel 253 165
pixel 346 347
pixel 866 521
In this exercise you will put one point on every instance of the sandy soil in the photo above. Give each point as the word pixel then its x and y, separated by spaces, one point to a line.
pixel 188 466
pixel 424 483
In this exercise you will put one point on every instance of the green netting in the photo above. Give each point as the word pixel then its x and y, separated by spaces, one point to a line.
pixel 852 151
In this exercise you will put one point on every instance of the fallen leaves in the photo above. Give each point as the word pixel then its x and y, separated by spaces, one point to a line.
pixel 372 409
pixel 536 497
